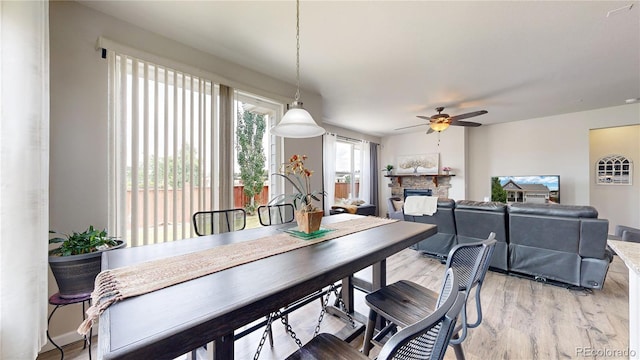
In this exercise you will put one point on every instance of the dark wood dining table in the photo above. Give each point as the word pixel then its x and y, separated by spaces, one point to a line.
pixel 172 321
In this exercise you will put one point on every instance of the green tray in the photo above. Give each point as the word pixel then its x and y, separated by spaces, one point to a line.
pixel 303 235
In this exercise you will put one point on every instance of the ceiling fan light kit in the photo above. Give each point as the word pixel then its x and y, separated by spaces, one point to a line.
pixel 297 122
pixel 440 122
pixel 439 125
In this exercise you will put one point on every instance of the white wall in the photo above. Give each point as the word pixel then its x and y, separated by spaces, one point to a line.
pixel 78 177
pixel 452 154
pixel 617 203
pixel 555 145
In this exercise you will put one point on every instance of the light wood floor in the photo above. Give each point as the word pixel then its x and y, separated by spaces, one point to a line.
pixel 523 319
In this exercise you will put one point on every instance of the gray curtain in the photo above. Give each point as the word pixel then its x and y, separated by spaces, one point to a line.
pixel 226 147
pixel 373 196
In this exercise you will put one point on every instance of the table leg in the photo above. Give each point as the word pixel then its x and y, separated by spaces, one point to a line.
pixel 379 280
pixel 347 294
pixel 223 348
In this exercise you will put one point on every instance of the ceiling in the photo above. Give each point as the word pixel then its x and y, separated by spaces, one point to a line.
pixel 379 64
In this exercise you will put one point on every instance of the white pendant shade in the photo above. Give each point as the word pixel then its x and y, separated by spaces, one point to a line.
pixel 297 123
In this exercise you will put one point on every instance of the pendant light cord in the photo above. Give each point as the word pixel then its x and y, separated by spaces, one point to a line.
pixel 297 50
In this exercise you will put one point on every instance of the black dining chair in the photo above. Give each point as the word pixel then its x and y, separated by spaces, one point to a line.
pixel 425 339
pixel 219 221
pixel 275 214
pixel 405 302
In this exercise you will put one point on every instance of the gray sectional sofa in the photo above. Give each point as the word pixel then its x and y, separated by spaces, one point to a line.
pixel 549 242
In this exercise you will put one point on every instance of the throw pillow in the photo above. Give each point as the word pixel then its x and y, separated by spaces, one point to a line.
pixel 397 205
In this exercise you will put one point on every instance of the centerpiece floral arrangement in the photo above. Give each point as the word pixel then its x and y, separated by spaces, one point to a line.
pixel 299 177
pixel 303 197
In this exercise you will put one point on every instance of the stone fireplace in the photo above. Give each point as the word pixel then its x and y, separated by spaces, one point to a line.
pixel 439 184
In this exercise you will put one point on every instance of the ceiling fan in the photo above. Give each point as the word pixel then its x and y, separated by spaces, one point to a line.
pixel 440 122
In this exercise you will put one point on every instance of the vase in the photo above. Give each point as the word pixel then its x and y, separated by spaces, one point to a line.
pixel 309 221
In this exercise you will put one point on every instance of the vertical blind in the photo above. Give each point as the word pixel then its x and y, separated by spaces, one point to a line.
pixel 163 140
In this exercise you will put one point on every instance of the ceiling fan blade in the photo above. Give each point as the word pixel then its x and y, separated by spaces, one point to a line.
pixel 411 126
pixel 465 123
pixel 468 115
pixel 424 117
pixel 430 131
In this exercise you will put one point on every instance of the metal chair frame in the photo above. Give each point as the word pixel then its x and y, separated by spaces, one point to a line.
pixel 227 216
pixel 276 214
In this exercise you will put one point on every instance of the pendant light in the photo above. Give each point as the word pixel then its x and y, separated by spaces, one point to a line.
pixel 297 122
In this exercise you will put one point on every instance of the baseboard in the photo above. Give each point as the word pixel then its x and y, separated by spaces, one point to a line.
pixel 62 340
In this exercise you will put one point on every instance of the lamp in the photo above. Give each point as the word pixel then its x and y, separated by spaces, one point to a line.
pixel 439 122
pixel 297 122
pixel 439 126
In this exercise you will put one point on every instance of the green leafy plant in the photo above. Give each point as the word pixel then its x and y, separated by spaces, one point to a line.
pixel 88 241
pixel 389 167
pixel 299 176
pixel 250 131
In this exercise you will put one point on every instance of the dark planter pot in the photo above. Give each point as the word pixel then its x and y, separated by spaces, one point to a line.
pixel 76 274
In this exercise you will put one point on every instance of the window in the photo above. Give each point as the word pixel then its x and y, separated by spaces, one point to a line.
pixel 256 154
pixel 166 146
pixel 614 170
pixel 348 170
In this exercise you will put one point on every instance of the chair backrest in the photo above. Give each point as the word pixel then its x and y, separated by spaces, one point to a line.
pixel 470 263
pixel 219 221
pixel 275 214
pixel 429 337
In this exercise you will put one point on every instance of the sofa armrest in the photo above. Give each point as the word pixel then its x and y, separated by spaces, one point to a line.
pixel 593 238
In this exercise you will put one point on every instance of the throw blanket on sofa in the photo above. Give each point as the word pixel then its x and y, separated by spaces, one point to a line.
pixel 117 284
pixel 420 205
pixel 351 209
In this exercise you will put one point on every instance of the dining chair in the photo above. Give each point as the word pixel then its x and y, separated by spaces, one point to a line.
pixel 405 302
pixel 275 214
pixel 219 221
pixel 425 339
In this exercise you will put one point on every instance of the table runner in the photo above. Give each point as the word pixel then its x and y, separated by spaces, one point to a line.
pixel 117 284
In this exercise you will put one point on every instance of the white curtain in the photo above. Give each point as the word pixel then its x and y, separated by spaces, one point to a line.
pixel 24 177
pixel 365 172
pixel 329 169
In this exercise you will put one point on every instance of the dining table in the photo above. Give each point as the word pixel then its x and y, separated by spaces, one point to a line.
pixel 174 320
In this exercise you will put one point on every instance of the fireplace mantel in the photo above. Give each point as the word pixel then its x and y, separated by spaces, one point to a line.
pixel 434 177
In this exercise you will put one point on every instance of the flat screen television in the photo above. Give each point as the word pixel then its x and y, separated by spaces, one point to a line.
pixel 531 188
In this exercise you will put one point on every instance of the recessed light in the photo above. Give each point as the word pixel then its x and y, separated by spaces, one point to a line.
pixel 632 100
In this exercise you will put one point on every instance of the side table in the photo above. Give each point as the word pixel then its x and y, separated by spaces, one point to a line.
pixel 58 301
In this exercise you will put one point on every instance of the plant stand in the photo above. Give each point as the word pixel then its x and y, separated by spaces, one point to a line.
pixel 58 301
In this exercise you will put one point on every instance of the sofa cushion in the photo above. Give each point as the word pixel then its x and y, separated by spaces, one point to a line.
pixel 546 232
pixel 481 205
pixel 476 219
pixel 446 203
pixel 551 209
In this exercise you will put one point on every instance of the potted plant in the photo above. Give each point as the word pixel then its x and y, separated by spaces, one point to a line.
pixel 387 169
pixel 308 216
pixel 78 259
